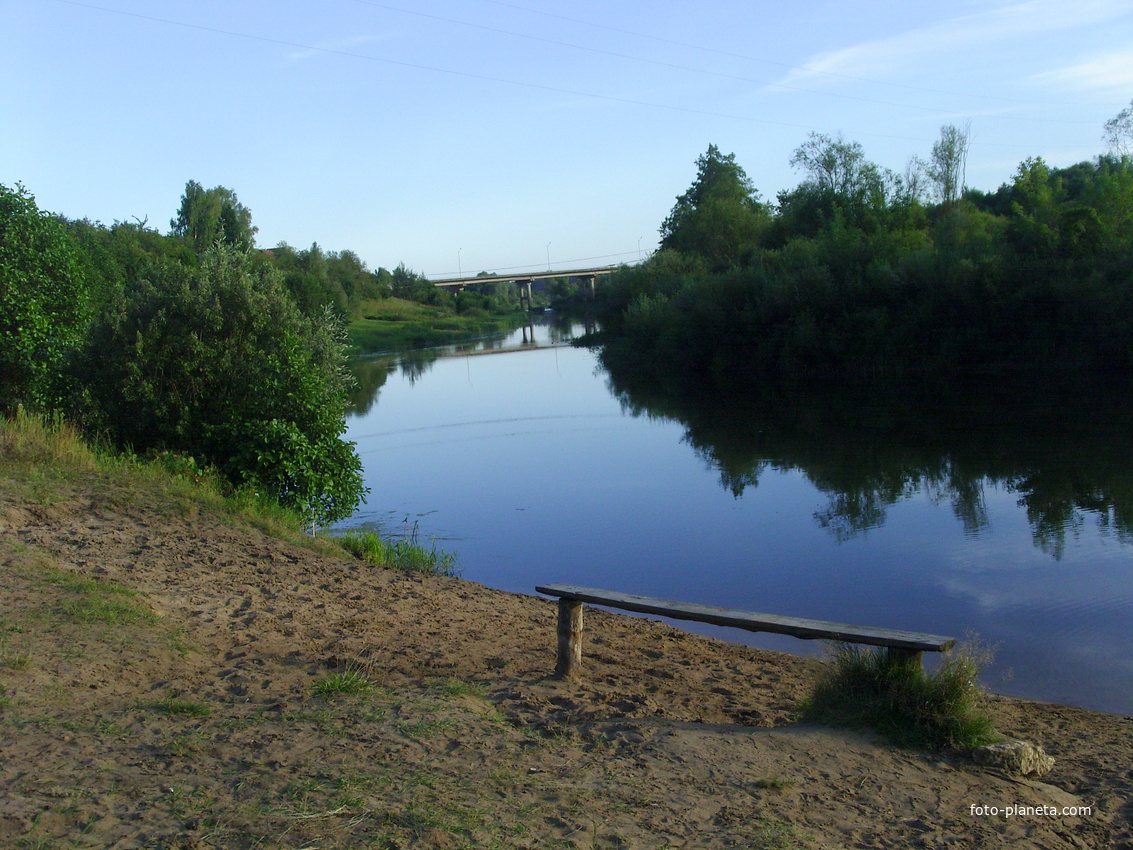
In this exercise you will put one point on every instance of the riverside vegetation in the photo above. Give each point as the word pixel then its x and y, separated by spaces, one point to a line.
pixel 196 344
pixel 861 275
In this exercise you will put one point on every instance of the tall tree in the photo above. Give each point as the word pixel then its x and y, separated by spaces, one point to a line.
pixel 208 216
pixel 1119 132
pixel 720 216
pixel 949 160
pixel 838 166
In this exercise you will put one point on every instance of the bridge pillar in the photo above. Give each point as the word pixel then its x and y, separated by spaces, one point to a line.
pixel 524 292
pixel 590 287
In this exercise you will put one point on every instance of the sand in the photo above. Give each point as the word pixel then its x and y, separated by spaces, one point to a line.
pixel 195 722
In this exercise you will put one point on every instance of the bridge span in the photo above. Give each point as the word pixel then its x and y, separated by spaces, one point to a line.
pixel 524 279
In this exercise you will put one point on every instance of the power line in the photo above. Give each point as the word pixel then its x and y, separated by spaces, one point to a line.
pixel 487 78
pixel 704 71
pixel 745 57
pixel 656 62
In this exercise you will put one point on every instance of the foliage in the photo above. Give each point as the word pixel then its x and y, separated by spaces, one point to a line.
pixel 44 302
pixel 854 278
pixel 949 159
pixel 218 363
pixel 720 215
pixel 895 696
pixel 1118 133
pixel 317 279
pixel 209 216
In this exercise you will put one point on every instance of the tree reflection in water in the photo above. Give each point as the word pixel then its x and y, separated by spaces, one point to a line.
pixel 1064 451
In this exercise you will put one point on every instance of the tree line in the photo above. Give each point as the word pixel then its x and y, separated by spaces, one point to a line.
pixel 861 273
pixel 194 341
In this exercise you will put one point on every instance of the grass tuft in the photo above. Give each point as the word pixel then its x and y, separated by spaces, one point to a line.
pixel 347 682
pixel 178 706
pixel 882 691
pixel 405 555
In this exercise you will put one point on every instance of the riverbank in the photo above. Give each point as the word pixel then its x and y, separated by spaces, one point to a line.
pixel 174 675
pixel 394 324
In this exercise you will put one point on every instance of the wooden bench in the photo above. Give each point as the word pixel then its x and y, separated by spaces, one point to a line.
pixel 908 645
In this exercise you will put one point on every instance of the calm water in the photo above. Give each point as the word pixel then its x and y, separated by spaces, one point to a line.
pixel 1011 521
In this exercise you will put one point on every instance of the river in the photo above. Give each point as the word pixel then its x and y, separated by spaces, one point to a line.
pixel 1012 522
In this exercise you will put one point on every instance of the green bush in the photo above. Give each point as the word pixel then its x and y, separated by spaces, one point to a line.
pixel 218 363
pixel 880 690
pixel 43 302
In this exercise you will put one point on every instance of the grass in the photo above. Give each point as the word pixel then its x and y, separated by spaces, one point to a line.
pixel 346 682
pixel 876 689
pixel 773 783
pixel 393 324
pixel 44 453
pixel 407 555
pixel 179 707
pixel 99 601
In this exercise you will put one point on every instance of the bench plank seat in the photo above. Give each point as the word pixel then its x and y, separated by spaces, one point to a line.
pixel 571 597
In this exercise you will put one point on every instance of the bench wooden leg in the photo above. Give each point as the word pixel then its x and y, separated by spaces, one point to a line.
pixel 569 659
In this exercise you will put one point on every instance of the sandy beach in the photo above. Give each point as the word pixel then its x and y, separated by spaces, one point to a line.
pixel 198 721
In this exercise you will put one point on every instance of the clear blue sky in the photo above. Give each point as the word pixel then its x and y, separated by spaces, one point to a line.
pixel 488 135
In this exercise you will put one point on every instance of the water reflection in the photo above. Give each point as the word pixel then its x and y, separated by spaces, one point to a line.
pixel 1064 453
pixel 540 331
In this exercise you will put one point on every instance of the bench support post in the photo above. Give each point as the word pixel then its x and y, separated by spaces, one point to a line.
pixel 570 638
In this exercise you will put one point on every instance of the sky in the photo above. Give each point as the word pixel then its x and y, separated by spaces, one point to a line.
pixel 483 135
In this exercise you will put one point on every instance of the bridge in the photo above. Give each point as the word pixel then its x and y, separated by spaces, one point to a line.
pixel 524 279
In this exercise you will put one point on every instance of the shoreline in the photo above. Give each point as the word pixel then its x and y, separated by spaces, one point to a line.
pixel 203 727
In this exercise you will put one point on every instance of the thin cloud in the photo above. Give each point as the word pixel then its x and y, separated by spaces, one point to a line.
pixel 1102 73
pixel 879 58
pixel 334 44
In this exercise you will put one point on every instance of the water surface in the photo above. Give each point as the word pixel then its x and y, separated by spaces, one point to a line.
pixel 1013 520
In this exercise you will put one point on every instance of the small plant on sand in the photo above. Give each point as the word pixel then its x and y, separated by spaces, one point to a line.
pixel 896 697
pixel 772 783
pixel 178 706
pixel 407 555
pixel 459 688
pixel 346 682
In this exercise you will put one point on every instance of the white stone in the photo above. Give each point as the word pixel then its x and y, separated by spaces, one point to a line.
pixel 1014 756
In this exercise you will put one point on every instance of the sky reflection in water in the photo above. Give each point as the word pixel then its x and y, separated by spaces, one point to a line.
pixel 532 469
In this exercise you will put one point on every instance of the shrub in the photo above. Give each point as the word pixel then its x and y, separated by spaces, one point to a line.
pixel 218 363
pixel 43 302
pixel 880 690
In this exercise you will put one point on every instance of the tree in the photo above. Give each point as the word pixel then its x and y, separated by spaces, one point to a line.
pixel 1119 132
pixel 720 216
pixel 44 301
pixel 947 167
pixel 218 362
pixel 212 215
pixel 838 166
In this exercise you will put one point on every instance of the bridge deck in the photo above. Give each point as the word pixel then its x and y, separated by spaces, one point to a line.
pixel 509 278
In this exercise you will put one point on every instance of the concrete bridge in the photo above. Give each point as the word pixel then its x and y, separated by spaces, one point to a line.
pixel 524 279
